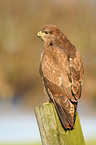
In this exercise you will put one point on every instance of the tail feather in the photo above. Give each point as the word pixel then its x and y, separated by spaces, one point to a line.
pixel 66 113
pixel 65 108
pixel 62 115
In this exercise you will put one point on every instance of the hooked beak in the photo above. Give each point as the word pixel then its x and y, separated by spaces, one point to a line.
pixel 40 34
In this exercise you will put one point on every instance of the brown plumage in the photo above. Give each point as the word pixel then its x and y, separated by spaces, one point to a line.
pixel 61 68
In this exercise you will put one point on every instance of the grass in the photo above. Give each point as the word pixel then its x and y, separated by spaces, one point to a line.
pixel 91 142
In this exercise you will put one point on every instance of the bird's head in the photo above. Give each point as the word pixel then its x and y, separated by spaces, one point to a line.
pixel 50 33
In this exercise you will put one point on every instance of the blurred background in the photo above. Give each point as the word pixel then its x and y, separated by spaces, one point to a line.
pixel 21 88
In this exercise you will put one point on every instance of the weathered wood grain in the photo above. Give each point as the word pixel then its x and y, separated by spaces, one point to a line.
pixel 51 130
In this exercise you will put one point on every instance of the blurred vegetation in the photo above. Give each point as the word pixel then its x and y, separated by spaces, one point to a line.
pixel 87 143
pixel 20 49
pixel 91 142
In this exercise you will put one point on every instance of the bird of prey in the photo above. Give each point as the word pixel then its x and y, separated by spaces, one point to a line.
pixel 61 69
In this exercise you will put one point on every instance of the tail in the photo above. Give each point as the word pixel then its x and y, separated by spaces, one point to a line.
pixel 66 111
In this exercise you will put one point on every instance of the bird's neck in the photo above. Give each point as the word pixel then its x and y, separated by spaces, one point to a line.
pixel 63 43
pixel 47 44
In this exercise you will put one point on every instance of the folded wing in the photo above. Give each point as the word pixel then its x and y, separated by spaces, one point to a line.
pixel 62 77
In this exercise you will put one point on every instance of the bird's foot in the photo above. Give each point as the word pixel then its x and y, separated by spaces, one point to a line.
pixel 50 101
pixel 46 103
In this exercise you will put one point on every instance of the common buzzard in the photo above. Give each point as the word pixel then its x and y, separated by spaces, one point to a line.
pixel 61 69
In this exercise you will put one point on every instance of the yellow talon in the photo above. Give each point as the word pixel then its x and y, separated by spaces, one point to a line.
pixel 46 103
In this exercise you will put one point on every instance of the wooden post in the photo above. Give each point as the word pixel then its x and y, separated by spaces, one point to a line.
pixel 51 130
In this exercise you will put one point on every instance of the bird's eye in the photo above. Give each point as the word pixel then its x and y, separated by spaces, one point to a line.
pixel 45 32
